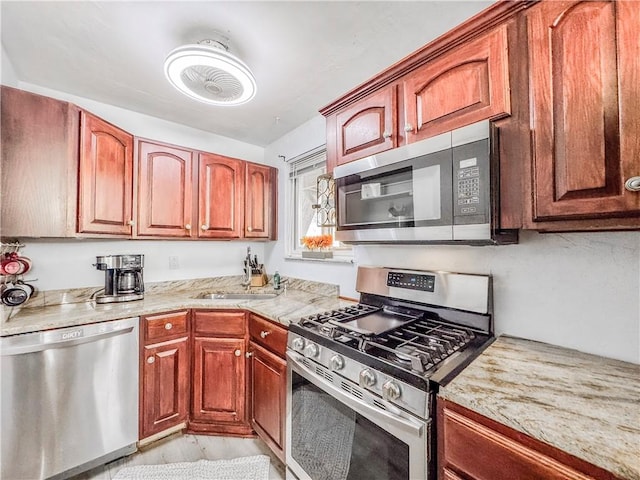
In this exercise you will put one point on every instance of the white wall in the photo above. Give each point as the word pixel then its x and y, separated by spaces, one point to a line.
pixel 61 264
pixel 577 290
pixel 7 72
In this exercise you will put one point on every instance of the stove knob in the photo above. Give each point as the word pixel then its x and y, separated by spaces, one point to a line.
pixel 367 378
pixel 337 362
pixel 391 390
pixel 297 344
pixel 311 350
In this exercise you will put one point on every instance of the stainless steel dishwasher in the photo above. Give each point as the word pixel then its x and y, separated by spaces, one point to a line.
pixel 69 399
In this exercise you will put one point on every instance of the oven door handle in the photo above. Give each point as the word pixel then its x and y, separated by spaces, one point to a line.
pixel 405 424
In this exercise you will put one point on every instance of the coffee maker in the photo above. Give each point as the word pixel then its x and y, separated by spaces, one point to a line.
pixel 123 278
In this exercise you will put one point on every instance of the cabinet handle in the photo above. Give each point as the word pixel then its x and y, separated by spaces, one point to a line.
pixel 204 227
pixel 386 135
pixel 264 333
pixel 187 226
pixel 249 229
pixel 168 326
pixel 131 223
pixel 633 184
pixel 237 353
pixel 151 360
pixel 248 354
pixel 408 128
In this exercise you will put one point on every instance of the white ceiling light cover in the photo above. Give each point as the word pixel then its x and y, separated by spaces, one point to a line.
pixel 207 72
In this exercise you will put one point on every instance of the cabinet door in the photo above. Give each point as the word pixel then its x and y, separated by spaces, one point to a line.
pixel 260 201
pixel 268 391
pixel 164 390
pixel 584 63
pixel 219 380
pixel 106 178
pixel 220 196
pixel 40 141
pixel 165 190
pixel 468 84
pixel 367 127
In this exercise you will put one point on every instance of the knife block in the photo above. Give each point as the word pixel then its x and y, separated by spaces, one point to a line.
pixel 259 279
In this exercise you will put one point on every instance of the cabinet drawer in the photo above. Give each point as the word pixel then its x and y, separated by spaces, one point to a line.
pixel 219 323
pixel 468 444
pixel 268 334
pixel 165 325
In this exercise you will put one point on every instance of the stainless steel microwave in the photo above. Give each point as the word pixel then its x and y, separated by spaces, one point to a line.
pixel 438 190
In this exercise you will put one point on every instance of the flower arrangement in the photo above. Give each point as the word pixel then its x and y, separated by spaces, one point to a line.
pixel 314 242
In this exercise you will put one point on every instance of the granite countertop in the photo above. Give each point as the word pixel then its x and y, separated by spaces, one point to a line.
pixel 300 299
pixel 585 405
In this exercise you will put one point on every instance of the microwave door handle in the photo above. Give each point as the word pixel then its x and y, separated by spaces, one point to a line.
pixel 402 423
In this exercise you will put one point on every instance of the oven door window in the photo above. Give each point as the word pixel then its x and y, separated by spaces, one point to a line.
pixel 412 193
pixel 332 442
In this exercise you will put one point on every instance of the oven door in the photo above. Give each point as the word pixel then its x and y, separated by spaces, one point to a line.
pixel 332 435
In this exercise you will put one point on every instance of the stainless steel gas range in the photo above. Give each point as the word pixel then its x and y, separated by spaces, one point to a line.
pixel 362 379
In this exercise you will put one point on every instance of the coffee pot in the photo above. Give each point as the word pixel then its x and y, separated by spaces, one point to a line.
pixel 123 278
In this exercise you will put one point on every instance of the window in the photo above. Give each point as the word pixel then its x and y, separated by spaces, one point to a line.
pixel 312 214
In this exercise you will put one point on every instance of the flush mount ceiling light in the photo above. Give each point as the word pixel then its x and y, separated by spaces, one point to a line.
pixel 209 73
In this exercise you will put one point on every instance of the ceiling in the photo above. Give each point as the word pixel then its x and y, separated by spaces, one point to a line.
pixel 303 54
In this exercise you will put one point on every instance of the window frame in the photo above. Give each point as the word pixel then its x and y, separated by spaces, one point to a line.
pixel 304 161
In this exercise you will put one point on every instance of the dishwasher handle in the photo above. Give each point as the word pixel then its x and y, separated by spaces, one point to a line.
pixel 40 347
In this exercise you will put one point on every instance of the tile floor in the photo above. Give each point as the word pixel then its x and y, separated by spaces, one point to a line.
pixel 189 448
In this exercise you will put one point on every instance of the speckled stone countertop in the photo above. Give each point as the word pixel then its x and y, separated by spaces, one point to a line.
pixel 300 299
pixel 586 405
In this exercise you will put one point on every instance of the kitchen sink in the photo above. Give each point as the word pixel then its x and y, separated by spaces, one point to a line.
pixel 237 296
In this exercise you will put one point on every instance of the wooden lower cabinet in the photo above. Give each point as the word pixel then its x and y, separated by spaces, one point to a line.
pixel 268 382
pixel 164 372
pixel 473 447
pixel 198 368
pixel 268 392
pixel 219 380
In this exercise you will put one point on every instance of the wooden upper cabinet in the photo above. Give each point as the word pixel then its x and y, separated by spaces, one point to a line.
pixel 367 127
pixel 40 141
pixel 220 196
pixel 467 84
pixel 260 201
pixel 584 59
pixel 165 190
pixel 105 190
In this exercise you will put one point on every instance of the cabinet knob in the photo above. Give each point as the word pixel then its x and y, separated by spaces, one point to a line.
pixel 408 128
pixel 187 226
pixel 264 333
pixel 131 223
pixel 249 229
pixel 204 227
pixel 386 135
pixel 151 360
pixel 168 326
pixel 248 354
pixel 237 353
pixel 633 184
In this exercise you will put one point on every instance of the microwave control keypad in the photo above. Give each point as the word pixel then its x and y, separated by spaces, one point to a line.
pixel 469 189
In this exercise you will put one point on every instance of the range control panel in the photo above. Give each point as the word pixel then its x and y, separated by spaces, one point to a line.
pixel 412 281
